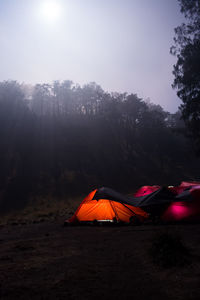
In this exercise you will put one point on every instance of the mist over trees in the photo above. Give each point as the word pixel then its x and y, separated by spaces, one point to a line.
pixel 187 68
pixel 62 139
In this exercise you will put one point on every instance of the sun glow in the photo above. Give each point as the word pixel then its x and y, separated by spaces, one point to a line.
pixel 50 10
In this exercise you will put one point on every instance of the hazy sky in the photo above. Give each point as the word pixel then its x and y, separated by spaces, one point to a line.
pixel 122 45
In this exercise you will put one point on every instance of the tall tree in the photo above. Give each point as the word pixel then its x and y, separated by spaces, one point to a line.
pixel 187 68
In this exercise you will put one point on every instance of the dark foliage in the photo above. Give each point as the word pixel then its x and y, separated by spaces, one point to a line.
pixel 169 251
pixel 187 68
pixel 61 139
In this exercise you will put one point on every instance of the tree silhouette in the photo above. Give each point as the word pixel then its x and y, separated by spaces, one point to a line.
pixel 187 68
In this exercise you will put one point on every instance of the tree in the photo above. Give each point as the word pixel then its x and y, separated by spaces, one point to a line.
pixel 187 68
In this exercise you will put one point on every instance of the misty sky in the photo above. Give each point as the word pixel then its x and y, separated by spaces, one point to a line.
pixel 122 45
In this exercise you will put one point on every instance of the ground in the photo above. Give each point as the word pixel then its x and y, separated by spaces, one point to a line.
pixel 48 261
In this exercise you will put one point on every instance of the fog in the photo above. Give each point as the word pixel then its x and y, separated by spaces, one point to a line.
pixel 121 45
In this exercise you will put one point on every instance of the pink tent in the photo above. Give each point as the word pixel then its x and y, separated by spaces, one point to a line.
pixel 146 190
pixel 187 209
pixel 184 205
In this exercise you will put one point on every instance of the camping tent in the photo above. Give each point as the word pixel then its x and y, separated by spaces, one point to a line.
pixel 173 203
pixel 186 206
pixel 164 203
pixel 153 200
pixel 110 208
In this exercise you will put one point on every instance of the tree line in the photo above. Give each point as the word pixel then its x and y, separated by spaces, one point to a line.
pixel 63 139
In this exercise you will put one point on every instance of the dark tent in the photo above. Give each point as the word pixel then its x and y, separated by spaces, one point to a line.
pixel 154 203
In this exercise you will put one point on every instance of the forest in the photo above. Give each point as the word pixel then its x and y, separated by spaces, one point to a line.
pixel 62 139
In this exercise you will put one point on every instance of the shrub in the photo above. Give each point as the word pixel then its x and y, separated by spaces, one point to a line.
pixel 168 250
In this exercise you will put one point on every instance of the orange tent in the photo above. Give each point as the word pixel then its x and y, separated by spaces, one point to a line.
pixel 103 210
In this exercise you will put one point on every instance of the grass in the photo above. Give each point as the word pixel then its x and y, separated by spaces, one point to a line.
pixel 41 210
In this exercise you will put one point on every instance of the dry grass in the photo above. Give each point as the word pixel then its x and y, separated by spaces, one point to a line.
pixel 41 210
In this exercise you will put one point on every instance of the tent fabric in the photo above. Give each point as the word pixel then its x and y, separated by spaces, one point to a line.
pixel 186 207
pixel 182 211
pixel 183 187
pixel 92 209
pixel 173 203
pixel 107 193
pixel 157 197
pixel 146 190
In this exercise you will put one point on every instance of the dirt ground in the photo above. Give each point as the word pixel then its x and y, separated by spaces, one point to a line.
pixel 49 261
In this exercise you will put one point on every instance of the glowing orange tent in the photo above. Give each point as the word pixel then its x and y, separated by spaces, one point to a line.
pixel 94 208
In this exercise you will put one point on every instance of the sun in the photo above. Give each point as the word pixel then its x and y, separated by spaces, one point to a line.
pixel 50 10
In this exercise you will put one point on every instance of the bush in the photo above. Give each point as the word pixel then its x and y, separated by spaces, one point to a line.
pixel 168 250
